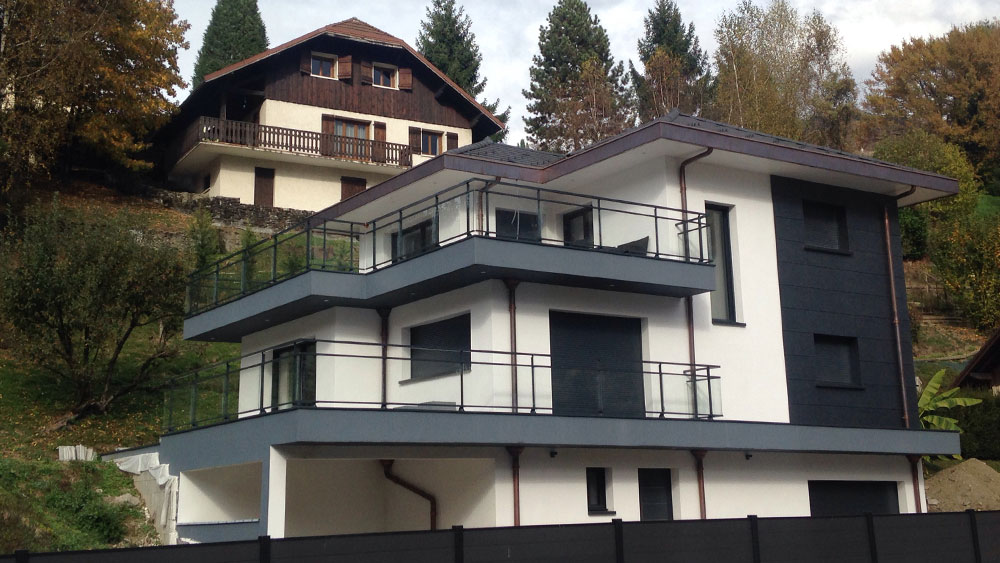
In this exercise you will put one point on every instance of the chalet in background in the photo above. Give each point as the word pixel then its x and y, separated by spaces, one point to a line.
pixel 318 119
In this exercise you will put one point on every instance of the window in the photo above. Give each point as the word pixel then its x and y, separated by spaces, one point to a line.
pixel 655 502
pixel 430 142
pixel 720 251
pixel 578 227
pixel 345 138
pixel 293 376
pixel 852 498
pixel 597 489
pixel 353 129
pixel 825 226
pixel 836 360
pixel 441 348
pixel 517 225
pixel 384 76
pixel 324 65
pixel 415 240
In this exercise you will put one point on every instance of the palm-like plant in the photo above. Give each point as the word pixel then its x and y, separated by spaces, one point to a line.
pixel 932 399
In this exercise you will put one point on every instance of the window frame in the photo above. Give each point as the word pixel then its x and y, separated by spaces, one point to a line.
pixel 393 73
pixel 727 249
pixel 598 480
pixel 587 213
pixel 854 358
pixel 426 134
pixel 335 60
pixel 535 236
pixel 427 225
pixel 300 352
pixel 840 214
pixel 462 353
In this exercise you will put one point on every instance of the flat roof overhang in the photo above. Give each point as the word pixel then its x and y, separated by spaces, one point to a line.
pixel 459 264
pixel 250 439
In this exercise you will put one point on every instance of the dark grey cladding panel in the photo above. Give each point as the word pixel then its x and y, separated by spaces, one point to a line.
pixel 452 266
pixel 221 532
pixel 843 295
pixel 250 439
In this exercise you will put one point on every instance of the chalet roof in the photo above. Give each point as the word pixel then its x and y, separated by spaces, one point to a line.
pixel 500 152
pixel 357 30
pixel 986 360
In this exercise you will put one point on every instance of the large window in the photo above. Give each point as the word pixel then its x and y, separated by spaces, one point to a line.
pixel 518 225
pixel 415 240
pixel 441 348
pixel 825 226
pixel 578 227
pixel 836 360
pixel 721 252
pixel 293 376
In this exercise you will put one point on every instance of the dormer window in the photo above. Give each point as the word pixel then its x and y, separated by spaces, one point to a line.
pixel 384 76
pixel 324 65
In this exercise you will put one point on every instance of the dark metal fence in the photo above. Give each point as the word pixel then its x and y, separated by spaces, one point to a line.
pixel 285 377
pixel 476 208
pixel 956 537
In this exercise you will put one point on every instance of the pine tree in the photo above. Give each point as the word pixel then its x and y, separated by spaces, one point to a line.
pixel 675 68
pixel 446 39
pixel 571 38
pixel 235 32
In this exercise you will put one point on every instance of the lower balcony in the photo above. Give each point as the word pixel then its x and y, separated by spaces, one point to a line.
pixel 325 374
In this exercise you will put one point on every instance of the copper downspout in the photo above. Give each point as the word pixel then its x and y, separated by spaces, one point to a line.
pixel 384 335
pixel 915 473
pixel 387 468
pixel 512 308
pixel 699 466
pixel 895 311
pixel 689 300
pixel 515 469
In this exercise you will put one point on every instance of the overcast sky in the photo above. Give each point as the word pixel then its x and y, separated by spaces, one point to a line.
pixel 507 30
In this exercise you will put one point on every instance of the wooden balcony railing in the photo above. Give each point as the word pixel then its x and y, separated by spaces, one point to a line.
pixel 211 129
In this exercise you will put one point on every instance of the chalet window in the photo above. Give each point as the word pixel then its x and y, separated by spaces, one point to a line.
pixel 836 360
pixel 597 489
pixel 350 138
pixel 578 227
pixel 518 225
pixel 825 226
pixel 347 128
pixel 293 376
pixel 384 76
pixel 430 142
pixel 720 248
pixel 441 348
pixel 324 65
pixel 415 240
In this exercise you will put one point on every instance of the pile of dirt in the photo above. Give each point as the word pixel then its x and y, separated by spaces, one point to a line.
pixel 970 484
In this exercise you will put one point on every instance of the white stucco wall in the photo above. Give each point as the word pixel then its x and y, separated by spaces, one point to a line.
pixel 220 494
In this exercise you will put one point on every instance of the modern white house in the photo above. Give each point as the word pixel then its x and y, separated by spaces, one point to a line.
pixel 318 119
pixel 688 320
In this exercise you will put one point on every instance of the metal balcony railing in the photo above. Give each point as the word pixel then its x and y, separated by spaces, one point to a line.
pixel 364 375
pixel 211 129
pixel 476 208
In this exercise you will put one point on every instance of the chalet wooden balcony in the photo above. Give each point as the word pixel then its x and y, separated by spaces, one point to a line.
pixel 296 141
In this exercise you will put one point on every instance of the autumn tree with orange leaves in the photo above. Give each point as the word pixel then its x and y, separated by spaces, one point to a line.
pixel 83 80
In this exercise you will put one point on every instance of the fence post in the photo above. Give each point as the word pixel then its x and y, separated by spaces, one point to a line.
pixel 264 543
pixel 754 537
pixel 872 544
pixel 21 556
pixel 459 535
pixel 619 540
pixel 975 535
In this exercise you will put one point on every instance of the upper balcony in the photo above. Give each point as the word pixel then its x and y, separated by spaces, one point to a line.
pixel 475 231
pixel 209 136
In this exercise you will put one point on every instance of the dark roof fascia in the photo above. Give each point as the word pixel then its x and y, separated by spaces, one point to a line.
pixel 981 355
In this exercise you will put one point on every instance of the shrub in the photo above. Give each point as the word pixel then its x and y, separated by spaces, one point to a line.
pixel 981 438
pixel 966 256
pixel 203 239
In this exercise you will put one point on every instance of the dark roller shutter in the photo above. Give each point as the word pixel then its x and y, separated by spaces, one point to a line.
pixel 441 348
pixel 655 502
pixel 452 141
pixel 344 67
pixel 852 498
pixel 825 225
pixel 596 365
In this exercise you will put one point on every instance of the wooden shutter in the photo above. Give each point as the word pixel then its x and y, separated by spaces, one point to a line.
pixel 405 79
pixel 263 187
pixel 366 72
pixel 305 63
pixel 452 141
pixel 415 140
pixel 344 67
pixel 351 186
